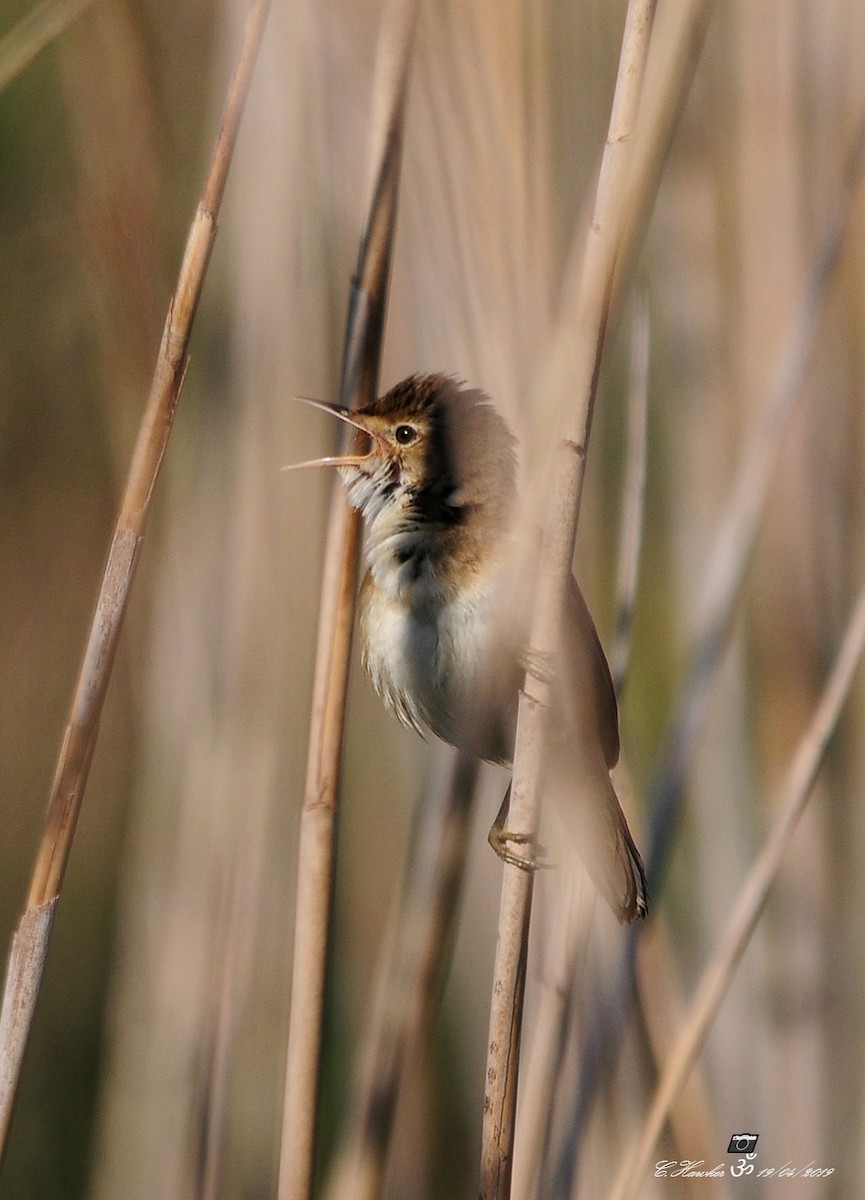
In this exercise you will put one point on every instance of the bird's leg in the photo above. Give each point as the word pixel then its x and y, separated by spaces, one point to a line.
pixel 539 665
pixel 499 836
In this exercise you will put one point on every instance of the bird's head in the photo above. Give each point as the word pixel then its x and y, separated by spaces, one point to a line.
pixel 430 447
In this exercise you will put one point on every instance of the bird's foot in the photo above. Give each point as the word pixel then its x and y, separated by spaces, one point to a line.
pixel 501 841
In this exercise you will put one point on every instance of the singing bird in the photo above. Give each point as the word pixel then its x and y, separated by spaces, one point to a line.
pixel 433 475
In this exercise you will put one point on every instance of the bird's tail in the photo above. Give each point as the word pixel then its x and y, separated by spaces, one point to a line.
pixel 605 844
pixel 621 877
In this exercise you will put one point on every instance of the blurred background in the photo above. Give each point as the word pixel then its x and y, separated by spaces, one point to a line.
pixel 180 890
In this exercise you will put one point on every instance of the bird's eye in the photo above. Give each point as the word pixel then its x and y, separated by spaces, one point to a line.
pixel 405 434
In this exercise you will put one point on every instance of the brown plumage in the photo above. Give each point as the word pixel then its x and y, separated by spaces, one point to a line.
pixel 435 483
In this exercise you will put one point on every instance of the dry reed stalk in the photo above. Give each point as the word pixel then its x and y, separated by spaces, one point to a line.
pixel 729 558
pixel 569 944
pixel 411 971
pixel 30 945
pixel 633 160
pixel 317 843
pixel 554 1018
pixel 719 971
pixel 33 33
pixel 628 178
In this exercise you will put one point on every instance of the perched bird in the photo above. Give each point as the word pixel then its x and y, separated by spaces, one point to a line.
pixel 433 475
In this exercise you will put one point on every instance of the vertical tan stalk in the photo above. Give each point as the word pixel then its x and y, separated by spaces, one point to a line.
pixel 626 191
pixel 724 578
pixel 719 972
pixel 30 947
pixel 317 849
pixel 552 1016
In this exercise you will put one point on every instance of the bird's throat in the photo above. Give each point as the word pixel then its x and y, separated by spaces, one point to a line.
pixel 423 547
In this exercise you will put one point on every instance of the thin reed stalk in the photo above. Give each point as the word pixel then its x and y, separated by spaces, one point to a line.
pixel 728 563
pixel 554 1017
pixel 593 306
pixel 317 843
pixel 719 972
pixel 550 1024
pixel 31 942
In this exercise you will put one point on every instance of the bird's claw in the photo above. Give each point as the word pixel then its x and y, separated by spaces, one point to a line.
pixel 499 838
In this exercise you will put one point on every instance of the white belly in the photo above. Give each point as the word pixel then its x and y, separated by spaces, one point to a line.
pixel 428 664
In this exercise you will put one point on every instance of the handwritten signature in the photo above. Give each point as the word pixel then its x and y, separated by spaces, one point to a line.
pixel 674 1168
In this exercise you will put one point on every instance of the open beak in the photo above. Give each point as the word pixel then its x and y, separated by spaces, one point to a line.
pixel 335 460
